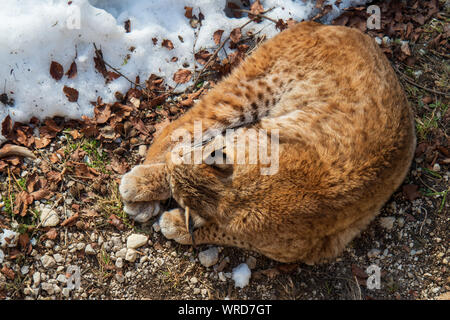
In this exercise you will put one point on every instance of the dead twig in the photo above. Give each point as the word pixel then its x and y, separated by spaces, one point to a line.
pixel 258 15
pixel 100 56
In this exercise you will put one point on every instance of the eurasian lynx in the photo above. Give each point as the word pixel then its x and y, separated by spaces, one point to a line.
pixel 345 143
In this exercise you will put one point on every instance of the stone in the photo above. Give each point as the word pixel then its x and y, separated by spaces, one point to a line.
pixel 89 250
pixel 156 226
pixel 436 167
pixel 36 279
pixel 121 253
pixel 373 253
pixel 47 261
pixel 48 287
pixel 136 240
pixel 131 255
pixel 119 263
pixel 387 222
pixel 142 150
pixel 24 270
pixel 193 280
pixel 66 292
pixel 49 217
pixel 58 258
pixel 62 278
pixel 222 277
pixel 209 257
pixel 119 277
pixel 251 262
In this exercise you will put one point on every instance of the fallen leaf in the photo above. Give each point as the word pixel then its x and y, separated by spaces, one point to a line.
pixel 167 44
pixel 236 35
pixel 24 239
pixel 255 9
pixel 270 273
pixel 411 191
pixel 51 234
pixel 40 194
pixel 21 203
pixel 188 12
pixel 40 143
pixel 71 220
pixel 56 70
pixel 8 272
pixel 182 76
pixel 72 72
pixel 116 222
pixel 359 272
pixel 127 26
pixel 405 49
pixel 202 56
pixel 217 36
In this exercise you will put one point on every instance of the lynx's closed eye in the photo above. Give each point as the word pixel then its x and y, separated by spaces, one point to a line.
pixel 217 160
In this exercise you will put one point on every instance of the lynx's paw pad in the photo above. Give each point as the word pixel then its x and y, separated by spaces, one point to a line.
pixel 173 226
pixel 142 211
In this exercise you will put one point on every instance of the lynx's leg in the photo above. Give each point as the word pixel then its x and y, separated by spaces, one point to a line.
pixel 173 226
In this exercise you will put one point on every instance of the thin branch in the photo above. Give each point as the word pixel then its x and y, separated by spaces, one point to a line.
pixel 258 15
pixel 115 70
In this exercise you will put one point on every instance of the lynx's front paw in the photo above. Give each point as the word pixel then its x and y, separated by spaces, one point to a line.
pixel 145 183
pixel 173 226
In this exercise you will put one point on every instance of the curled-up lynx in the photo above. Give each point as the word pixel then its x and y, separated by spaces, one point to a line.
pixel 344 140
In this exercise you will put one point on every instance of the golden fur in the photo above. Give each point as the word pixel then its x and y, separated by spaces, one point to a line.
pixel 346 143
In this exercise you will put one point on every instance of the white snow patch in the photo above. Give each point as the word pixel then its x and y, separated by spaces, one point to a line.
pixel 34 33
pixel 241 275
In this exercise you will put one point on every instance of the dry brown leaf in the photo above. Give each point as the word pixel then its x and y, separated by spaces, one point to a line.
pixel 24 240
pixel 235 35
pixel 21 203
pixel 411 191
pixel 405 48
pixel 167 44
pixel 40 194
pixel 8 272
pixel 188 12
pixel 182 76
pixel 255 9
pixel 56 70
pixel 51 234
pixel 72 72
pixel 71 220
pixel 217 36
pixel 202 57
pixel 116 222
pixel 75 134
